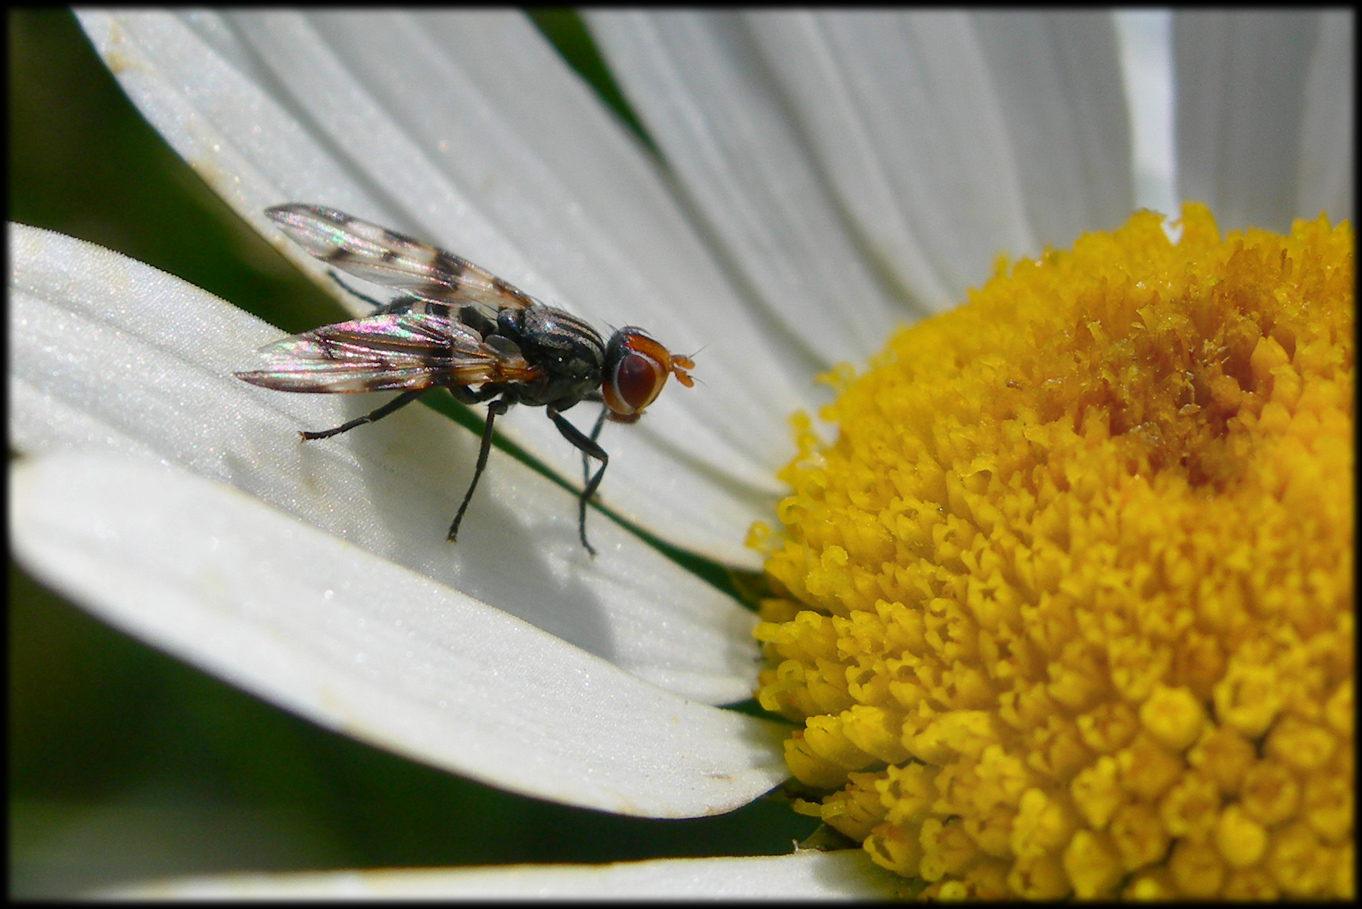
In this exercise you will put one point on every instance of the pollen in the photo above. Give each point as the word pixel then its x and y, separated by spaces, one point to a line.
pixel 1065 610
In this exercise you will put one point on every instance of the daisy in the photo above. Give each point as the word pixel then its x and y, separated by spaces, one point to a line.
pixel 801 205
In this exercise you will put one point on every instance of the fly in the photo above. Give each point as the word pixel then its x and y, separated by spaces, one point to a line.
pixel 459 327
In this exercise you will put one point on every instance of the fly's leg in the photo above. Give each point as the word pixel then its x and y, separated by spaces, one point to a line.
pixel 400 401
pixel 396 304
pixel 335 276
pixel 494 410
pixel 588 447
pixel 595 434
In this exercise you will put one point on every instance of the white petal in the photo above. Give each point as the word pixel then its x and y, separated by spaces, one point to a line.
pixel 695 80
pixel 1250 93
pixel 1325 176
pixel 848 874
pixel 421 123
pixel 1059 87
pixel 1146 37
pixel 368 648
pixel 949 137
pixel 109 353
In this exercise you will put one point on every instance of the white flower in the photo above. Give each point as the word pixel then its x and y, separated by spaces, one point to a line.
pixel 821 177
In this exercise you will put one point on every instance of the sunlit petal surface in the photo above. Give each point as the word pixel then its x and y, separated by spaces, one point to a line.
pixel 110 354
pixel 1265 112
pixel 804 875
pixel 370 649
pixel 823 146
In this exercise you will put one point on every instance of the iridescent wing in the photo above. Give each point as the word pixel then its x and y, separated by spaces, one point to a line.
pixel 389 351
pixel 390 259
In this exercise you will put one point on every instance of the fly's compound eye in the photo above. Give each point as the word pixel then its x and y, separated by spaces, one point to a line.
pixel 636 368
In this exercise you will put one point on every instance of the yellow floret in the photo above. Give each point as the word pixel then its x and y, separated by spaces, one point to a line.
pixel 1066 608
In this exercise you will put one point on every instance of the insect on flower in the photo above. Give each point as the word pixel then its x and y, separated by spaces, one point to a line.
pixel 459 327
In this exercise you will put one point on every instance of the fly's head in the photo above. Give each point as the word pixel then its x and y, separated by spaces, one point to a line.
pixel 636 368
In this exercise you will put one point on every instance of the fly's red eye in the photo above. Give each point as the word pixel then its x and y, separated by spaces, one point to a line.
pixel 633 381
pixel 637 380
pixel 636 368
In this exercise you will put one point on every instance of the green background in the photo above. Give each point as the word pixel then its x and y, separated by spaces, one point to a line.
pixel 126 764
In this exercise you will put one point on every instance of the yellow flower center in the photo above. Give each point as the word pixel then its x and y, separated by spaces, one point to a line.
pixel 1066 609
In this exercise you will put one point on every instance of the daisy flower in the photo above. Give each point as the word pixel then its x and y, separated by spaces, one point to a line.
pixel 977 694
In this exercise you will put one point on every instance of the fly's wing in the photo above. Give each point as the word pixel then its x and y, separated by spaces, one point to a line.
pixel 386 352
pixel 390 259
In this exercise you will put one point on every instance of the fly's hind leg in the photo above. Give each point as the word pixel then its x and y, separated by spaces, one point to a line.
pixel 396 403
pixel 396 304
pixel 349 288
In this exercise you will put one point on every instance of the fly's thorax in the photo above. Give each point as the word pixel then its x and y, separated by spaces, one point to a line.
pixel 569 351
pixel 476 318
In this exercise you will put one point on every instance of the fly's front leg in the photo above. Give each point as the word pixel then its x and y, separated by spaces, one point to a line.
pixel 595 434
pixel 400 401
pixel 588 447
